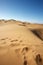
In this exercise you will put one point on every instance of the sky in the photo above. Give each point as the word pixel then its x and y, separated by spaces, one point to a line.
pixel 24 10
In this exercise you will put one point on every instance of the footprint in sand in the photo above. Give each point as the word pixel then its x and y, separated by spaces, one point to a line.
pixel 14 44
pixel 38 59
pixel 3 41
pixel 14 40
pixel 25 61
pixel 25 49
pixel 4 38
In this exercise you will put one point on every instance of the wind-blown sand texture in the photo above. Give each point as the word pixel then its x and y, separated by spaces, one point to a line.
pixel 21 43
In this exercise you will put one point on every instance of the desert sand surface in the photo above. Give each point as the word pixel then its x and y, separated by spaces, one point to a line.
pixel 21 43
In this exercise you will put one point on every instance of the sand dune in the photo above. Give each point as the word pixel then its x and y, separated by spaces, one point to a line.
pixel 21 43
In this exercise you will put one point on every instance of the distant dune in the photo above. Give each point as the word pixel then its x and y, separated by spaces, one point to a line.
pixel 21 43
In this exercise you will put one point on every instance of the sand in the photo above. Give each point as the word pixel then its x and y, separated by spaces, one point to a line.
pixel 20 43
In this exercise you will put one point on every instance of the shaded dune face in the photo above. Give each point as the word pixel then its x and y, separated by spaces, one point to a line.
pixel 20 43
pixel 38 33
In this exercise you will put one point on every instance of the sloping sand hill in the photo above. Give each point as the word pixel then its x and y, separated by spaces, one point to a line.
pixel 21 43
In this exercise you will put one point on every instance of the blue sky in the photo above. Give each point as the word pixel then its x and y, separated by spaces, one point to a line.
pixel 26 10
